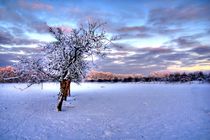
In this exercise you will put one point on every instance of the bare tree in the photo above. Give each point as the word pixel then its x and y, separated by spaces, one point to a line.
pixel 66 59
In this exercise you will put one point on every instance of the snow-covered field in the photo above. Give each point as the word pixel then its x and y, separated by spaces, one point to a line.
pixel 106 111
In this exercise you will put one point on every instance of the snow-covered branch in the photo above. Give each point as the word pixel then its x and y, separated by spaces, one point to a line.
pixel 65 58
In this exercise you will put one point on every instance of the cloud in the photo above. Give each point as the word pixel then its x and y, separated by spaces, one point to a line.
pixel 179 14
pixel 185 41
pixel 133 29
pixel 16 50
pixel 8 14
pixel 133 36
pixel 157 51
pixel 168 30
pixel 85 14
pixel 125 58
pixel 36 5
pixel 130 32
pixel 143 32
pixel 6 59
pixel 175 56
pixel 64 28
pixel 140 63
pixel 110 11
pixel 17 21
pixel 21 18
pixel 9 55
pixel 39 26
pixel 188 41
pixel 202 50
pixel 6 38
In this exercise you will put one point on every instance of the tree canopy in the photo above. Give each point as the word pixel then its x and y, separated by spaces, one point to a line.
pixel 66 58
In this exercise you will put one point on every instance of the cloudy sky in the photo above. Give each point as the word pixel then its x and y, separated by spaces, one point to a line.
pixel 158 35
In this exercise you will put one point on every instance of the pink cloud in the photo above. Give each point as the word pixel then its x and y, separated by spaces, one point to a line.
pixel 41 6
pixel 36 5
pixel 64 28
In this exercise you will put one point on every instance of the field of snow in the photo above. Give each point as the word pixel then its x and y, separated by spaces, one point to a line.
pixel 106 111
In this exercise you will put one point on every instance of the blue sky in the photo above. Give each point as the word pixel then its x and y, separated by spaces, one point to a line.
pixel 160 35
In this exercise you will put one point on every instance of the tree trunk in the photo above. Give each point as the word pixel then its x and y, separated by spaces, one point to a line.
pixel 64 92
pixel 67 89
pixel 60 102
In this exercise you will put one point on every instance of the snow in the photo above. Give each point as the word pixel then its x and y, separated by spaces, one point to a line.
pixel 106 111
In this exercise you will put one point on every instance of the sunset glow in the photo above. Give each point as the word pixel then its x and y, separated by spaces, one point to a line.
pixel 190 69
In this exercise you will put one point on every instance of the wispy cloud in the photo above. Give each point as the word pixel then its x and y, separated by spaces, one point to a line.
pixel 35 5
pixel 179 14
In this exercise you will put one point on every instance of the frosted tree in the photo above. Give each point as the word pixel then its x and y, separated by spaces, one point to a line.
pixel 67 59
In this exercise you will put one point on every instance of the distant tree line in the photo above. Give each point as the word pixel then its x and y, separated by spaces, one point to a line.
pixel 172 77
pixel 8 75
